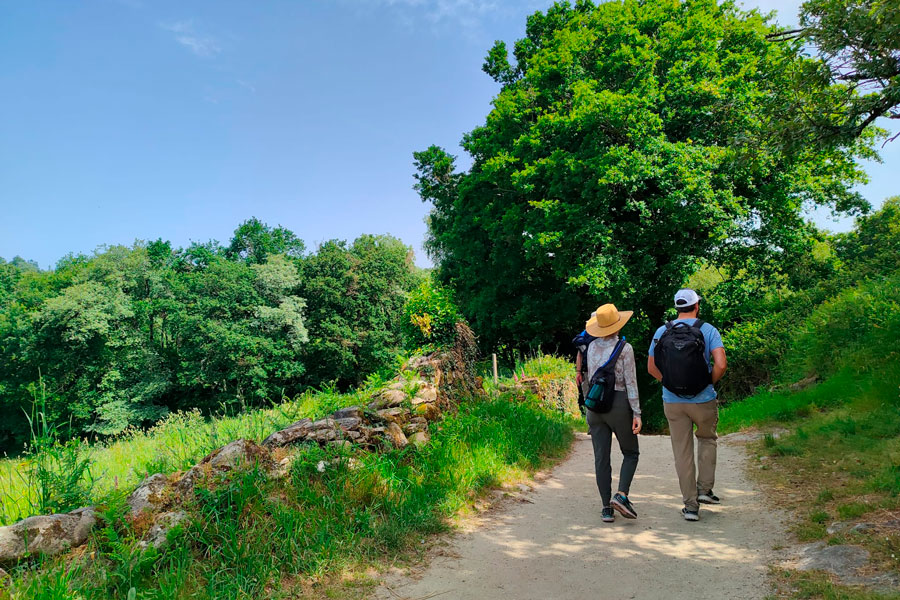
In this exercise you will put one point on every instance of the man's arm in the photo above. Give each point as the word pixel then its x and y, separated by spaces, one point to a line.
pixel 720 363
pixel 578 375
pixel 653 369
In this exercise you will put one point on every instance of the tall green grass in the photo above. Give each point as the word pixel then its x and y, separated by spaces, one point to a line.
pixel 174 444
pixel 251 537
pixel 845 429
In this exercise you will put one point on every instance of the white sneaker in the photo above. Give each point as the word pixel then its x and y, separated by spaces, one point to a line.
pixel 690 515
pixel 708 498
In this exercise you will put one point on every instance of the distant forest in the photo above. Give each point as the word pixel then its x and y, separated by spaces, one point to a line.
pixel 121 337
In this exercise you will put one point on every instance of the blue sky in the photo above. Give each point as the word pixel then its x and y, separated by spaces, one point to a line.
pixel 140 119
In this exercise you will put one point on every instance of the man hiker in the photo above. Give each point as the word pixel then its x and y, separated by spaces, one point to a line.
pixel 680 356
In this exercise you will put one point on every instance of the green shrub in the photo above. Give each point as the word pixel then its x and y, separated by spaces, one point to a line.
pixel 429 318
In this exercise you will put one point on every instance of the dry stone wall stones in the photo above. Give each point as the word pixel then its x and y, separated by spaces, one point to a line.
pixel 355 412
pixel 150 494
pixel 396 436
pixel 289 434
pixel 162 525
pixel 427 393
pixel 415 425
pixel 46 534
pixel 419 439
pixel 429 411
pixel 388 399
pixel 348 423
pixel 226 458
pixel 391 415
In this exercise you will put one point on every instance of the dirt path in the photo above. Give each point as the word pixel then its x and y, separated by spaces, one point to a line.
pixel 552 545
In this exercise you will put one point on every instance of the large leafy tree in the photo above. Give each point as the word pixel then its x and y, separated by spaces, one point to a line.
pixel 356 294
pixel 630 142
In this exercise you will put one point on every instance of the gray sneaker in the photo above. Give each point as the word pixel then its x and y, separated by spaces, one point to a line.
pixel 690 515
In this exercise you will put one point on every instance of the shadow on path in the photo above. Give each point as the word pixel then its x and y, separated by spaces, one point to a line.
pixel 556 547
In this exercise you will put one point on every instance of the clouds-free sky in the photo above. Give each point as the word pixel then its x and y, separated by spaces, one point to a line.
pixel 141 119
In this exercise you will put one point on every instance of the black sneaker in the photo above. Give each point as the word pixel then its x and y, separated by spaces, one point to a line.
pixel 708 498
pixel 690 515
pixel 608 515
pixel 623 505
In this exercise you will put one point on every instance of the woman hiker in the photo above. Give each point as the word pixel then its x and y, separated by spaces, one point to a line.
pixel 597 342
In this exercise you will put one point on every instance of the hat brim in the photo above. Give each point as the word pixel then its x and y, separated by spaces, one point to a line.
pixel 596 330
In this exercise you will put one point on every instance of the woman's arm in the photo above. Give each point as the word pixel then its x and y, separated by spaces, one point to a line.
pixel 630 373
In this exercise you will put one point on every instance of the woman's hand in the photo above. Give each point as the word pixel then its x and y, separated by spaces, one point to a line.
pixel 636 425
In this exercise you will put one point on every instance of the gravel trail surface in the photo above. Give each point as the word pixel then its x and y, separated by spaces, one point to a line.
pixel 550 543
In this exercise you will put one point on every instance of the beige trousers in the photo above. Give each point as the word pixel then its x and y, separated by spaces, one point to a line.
pixel 682 417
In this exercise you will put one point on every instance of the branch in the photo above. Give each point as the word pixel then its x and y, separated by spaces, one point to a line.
pixel 790 34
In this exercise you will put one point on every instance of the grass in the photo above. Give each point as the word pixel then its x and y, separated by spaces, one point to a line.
pixel 174 444
pixel 838 457
pixel 251 537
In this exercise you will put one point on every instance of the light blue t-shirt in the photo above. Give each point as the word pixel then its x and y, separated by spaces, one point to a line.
pixel 713 341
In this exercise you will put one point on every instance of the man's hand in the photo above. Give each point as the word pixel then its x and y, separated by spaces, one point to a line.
pixel 636 425
pixel 579 377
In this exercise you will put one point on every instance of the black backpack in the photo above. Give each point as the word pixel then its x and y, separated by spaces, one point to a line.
pixel 599 398
pixel 680 356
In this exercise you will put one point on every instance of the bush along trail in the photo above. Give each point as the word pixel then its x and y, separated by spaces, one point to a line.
pixel 315 500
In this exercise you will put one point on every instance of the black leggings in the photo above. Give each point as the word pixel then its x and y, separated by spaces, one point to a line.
pixel 601 427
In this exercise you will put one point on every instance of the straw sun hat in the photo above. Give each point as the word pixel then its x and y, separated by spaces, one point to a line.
pixel 607 320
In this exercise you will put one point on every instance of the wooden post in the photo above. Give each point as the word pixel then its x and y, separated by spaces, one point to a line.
pixel 496 378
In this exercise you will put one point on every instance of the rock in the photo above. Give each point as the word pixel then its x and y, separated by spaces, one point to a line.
pixel 347 423
pixel 289 434
pixel 863 527
pixel 226 458
pixel 839 560
pixel 47 534
pixel 837 527
pixel 323 424
pixel 388 399
pixel 159 531
pixel 350 412
pixel 419 439
pixel 150 494
pixel 392 415
pixel 238 452
pixel 282 468
pixel 427 393
pixel 804 383
pixel 428 410
pixel 415 425
pixel 322 435
pixel 395 434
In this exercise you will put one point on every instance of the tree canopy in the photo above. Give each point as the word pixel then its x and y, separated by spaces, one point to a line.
pixel 630 142
pixel 125 335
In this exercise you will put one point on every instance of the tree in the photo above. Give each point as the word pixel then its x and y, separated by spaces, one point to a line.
pixel 629 142
pixel 253 241
pixel 356 296
pixel 855 78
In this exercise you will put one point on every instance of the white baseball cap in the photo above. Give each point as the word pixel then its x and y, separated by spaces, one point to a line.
pixel 686 297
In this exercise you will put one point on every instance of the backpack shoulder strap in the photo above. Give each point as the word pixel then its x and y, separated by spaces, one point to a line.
pixel 699 323
pixel 614 355
pixel 669 324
